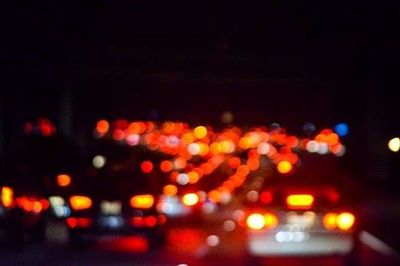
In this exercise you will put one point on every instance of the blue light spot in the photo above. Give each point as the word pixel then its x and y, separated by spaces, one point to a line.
pixel 342 129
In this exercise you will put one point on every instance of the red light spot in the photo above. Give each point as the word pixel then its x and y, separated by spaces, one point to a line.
pixel 72 222
pixel 166 166
pixel 266 197
pixel 82 222
pixel 136 221
pixel 234 162
pixel 28 128
pixel 118 134
pixel 150 221
pixel 146 167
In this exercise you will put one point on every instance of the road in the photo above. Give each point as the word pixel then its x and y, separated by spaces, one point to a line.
pixel 188 244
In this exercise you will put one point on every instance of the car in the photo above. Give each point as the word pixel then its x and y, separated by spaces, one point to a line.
pixel 114 196
pixel 304 214
pixel 23 212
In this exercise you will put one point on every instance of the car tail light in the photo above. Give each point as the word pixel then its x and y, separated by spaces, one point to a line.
pixel 271 220
pixel 258 221
pixel 7 197
pixel 81 222
pixel 343 221
pixel 80 202
pixel 142 201
pixel 329 221
pixel 31 204
pixel 300 201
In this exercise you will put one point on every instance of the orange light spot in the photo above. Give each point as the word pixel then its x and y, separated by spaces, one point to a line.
pixel 102 127
pixel 146 167
pixel 170 190
pixel 243 170
pixel 63 180
pixel 329 221
pixel 284 167
pixel 253 164
pixel 166 166
pixel 214 195
pixel 145 201
pixel 80 202
pixel 234 162
pixel 193 177
pixel 180 163
pixel 245 143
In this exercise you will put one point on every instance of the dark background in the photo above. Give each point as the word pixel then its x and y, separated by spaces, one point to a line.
pixel 289 62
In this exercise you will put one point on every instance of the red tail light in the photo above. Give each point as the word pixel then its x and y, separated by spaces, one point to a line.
pixel 7 197
pixel 300 201
pixel 31 204
pixel 81 222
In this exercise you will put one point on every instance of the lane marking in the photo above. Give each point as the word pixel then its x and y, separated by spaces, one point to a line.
pixel 378 245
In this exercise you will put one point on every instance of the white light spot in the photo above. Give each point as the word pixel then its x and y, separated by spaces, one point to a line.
pixel 182 179
pixel 312 146
pixel 194 148
pixel 133 139
pixel 99 161
pixel 252 196
pixel 238 215
pixel 229 225
pixel 263 148
pixel 323 148
pixel 213 240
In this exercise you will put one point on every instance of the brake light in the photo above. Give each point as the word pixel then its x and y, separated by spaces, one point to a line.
pixel 329 221
pixel 255 221
pixel 271 220
pixel 300 201
pixel 30 204
pixel 142 201
pixel 80 202
pixel 63 180
pixel 81 222
pixel 345 220
pixel 7 197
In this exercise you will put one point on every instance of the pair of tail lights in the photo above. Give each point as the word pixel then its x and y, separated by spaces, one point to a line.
pixel 145 201
pixel 343 221
pixel 259 221
pixel 28 204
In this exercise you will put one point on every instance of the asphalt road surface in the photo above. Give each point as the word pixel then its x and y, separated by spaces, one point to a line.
pixel 188 244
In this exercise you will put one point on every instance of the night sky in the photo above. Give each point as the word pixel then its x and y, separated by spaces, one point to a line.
pixel 285 61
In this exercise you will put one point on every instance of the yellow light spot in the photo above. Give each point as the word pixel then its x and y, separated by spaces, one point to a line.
pixel 284 167
pixel 200 132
